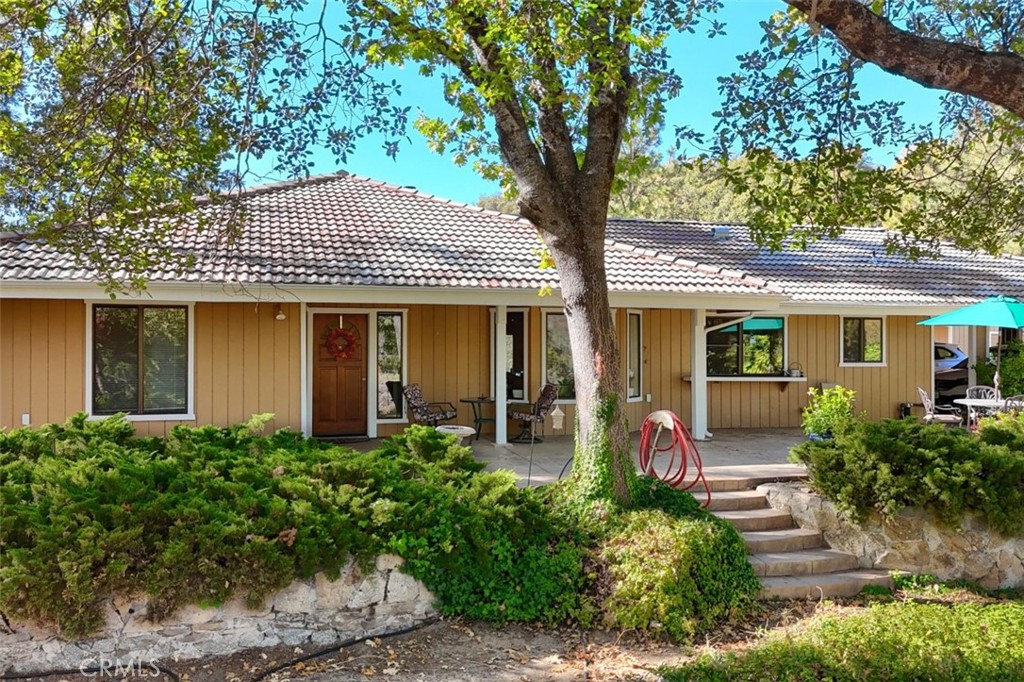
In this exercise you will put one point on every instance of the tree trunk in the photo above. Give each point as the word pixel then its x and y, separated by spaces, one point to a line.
pixel 603 465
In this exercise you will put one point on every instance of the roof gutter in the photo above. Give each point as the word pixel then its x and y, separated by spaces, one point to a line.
pixel 380 295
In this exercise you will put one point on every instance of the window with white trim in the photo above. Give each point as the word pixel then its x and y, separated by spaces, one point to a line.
pixel 390 364
pixel 140 359
pixel 863 340
pixel 516 348
pixel 513 354
pixel 558 355
pixel 752 347
pixel 634 355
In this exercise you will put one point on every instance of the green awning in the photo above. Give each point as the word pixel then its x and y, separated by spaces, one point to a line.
pixel 762 324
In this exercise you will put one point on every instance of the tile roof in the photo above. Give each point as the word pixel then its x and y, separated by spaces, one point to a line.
pixel 343 229
pixel 853 268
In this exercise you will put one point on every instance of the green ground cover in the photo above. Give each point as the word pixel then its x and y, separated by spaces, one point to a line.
pixel 88 510
pixel 887 466
pixel 894 642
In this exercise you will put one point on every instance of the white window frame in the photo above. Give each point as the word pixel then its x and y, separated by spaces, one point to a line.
pixel 639 398
pixel 544 313
pixel 740 320
pixel 190 412
pixel 885 340
pixel 404 314
pixel 526 356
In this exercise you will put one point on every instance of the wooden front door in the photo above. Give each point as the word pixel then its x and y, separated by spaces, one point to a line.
pixel 339 374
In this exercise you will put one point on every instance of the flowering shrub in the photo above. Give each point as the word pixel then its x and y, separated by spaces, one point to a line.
pixel 828 412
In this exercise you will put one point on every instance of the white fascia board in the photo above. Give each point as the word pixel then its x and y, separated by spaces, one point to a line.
pixel 378 295
pixel 659 299
pixel 866 309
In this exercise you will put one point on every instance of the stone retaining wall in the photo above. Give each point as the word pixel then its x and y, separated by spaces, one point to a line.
pixel 913 541
pixel 314 612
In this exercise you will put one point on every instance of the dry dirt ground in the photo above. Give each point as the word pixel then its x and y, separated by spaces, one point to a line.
pixel 465 651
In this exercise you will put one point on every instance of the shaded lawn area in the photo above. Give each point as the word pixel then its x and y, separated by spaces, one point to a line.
pixel 891 642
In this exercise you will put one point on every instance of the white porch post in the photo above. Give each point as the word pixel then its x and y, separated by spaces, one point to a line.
pixel 500 380
pixel 305 392
pixel 972 356
pixel 371 376
pixel 699 376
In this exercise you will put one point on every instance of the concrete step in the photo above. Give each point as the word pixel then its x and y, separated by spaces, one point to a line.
pixel 825 585
pixel 731 500
pixel 802 562
pixel 756 519
pixel 747 477
pixel 785 540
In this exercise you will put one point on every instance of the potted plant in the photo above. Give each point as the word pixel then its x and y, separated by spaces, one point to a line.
pixel 828 412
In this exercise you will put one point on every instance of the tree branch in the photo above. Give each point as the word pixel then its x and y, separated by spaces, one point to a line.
pixel 538 188
pixel 996 77
pixel 517 146
pixel 556 139
pixel 606 115
pixel 548 91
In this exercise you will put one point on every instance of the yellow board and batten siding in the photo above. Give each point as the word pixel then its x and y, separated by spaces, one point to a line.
pixel 449 356
pixel 42 360
pixel 814 344
pixel 246 362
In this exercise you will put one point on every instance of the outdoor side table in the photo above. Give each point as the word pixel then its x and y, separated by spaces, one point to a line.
pixel 462 432
pixel 478 411
pixel 986 403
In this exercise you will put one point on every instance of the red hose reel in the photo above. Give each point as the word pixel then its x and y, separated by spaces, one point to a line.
pixel 683 460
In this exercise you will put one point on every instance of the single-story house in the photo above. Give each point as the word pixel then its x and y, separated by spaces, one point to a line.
pixel 338 290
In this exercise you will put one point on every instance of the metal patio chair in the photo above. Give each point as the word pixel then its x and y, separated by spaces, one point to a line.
pixel 939 414
pixel 424 412
pixel 534 414
pixel 981 393
pixel 1014 405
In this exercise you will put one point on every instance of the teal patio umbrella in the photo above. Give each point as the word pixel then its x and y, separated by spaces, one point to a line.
pixel 998 311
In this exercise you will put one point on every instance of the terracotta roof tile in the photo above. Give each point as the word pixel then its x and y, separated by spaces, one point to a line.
pixel 853 268
pixel 348 230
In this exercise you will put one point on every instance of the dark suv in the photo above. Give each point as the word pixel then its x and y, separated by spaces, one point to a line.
pixel 950 372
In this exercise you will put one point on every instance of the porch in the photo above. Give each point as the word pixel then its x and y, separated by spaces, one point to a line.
pixel 728 448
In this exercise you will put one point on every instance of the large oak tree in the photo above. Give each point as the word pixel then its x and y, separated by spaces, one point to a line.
pixel 110 107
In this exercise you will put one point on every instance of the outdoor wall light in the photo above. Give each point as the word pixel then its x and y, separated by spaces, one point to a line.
pixel 557 418
pixel 279 314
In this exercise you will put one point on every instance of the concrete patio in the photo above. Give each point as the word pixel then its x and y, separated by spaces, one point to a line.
pixel 727 448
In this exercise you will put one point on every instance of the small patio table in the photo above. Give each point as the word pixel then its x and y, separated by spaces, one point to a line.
pixel 478 415
pixel 983 403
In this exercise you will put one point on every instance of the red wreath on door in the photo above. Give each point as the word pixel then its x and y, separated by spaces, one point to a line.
pixel 340 343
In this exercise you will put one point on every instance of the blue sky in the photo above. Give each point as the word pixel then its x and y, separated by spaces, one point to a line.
pixel 699 60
